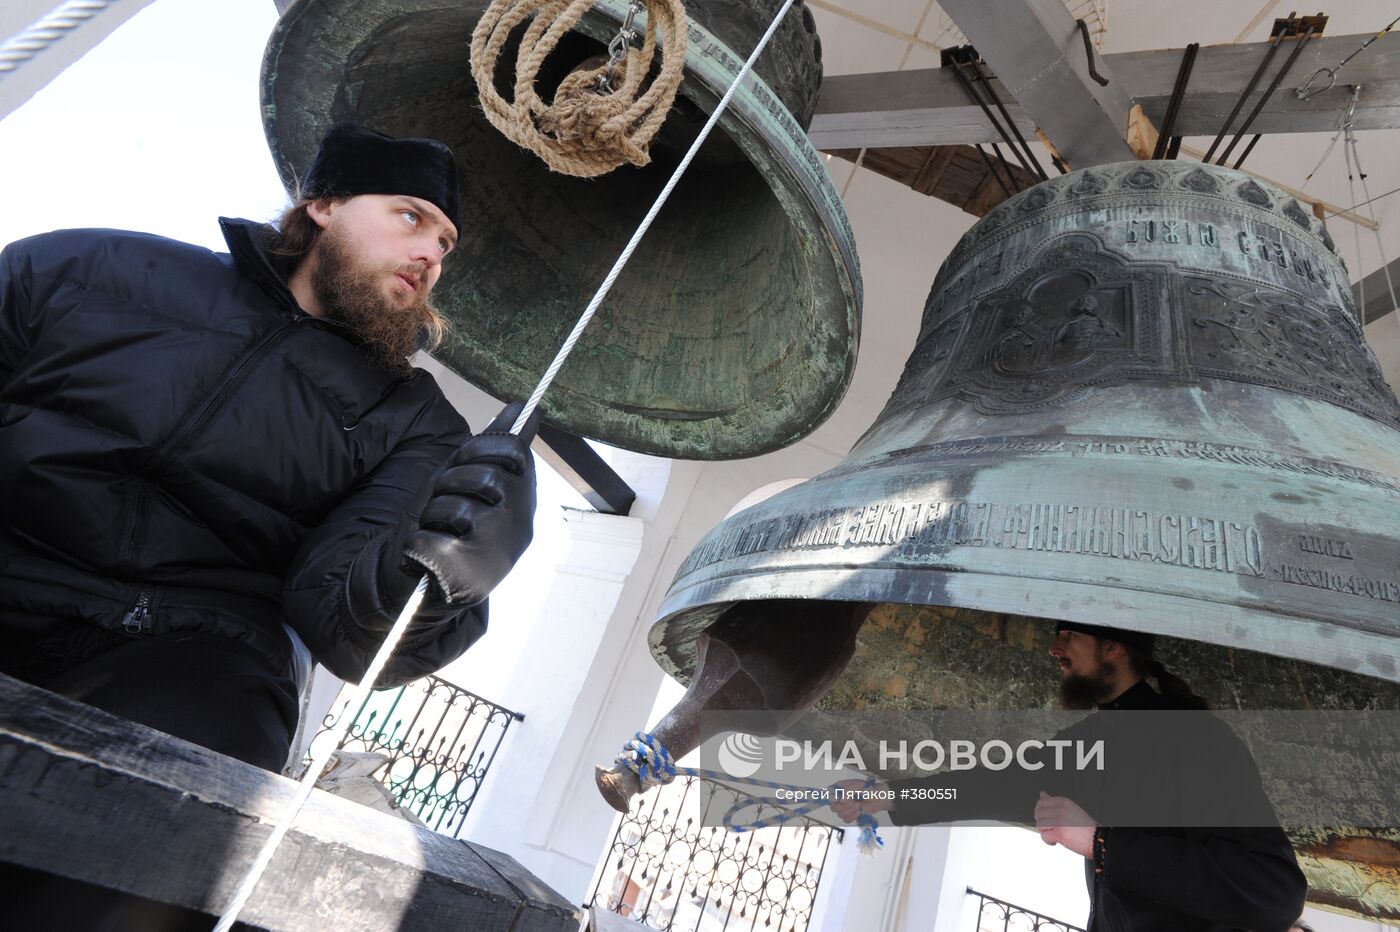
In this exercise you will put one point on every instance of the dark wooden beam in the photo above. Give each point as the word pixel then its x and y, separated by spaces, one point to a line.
pixel 927 107
pixel 93 797
pixel 955 174
pixel 572 458
pixel 1378 302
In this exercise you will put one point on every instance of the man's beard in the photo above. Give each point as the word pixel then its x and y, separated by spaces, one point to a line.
pixel 352 294
pixel 1078 691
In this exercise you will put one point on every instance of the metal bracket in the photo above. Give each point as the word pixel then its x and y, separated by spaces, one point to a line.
pixel 1089 53
pixel 572 458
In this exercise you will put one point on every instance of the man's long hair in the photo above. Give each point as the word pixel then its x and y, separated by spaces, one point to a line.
pixel 1170 685
pixel 295 233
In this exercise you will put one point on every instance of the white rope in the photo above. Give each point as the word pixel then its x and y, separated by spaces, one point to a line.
pixel 23 46
pixel 1356 228
pixel 319 758
pixel 1355 149
pixel 391 640
pixel 563 354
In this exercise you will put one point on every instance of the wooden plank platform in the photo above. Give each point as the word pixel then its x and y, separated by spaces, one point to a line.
pixel 94 797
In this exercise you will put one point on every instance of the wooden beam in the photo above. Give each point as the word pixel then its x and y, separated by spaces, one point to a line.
pixel 927 107
pixel 955 174
pixel 1330 210
pixel 896 164
pixel 890 109
pixel 579 465
pixel 1037 50
pixel 93 797
pixel 908 38
pixel 1377 290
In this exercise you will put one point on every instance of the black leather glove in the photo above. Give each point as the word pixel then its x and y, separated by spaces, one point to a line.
pixel 480 514
pixel 476 519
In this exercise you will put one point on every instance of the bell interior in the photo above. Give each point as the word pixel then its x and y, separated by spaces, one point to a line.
pixel 921 657
pixel 730 332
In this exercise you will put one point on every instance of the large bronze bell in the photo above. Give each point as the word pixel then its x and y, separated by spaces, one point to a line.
pixel 1140 397
pixel 733 330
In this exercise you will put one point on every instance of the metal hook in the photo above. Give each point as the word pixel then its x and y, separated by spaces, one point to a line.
pixel 618 47
pixel 1089 53
pixel 1302 92
pixel 1350 113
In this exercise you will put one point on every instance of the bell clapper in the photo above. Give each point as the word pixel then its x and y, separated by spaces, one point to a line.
pixel 777 657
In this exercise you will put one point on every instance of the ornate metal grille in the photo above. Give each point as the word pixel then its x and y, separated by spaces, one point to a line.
pixel 440 740
pixel 667 869
pixel 994 915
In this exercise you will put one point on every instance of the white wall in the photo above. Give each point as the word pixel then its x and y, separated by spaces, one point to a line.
pixel 1384 337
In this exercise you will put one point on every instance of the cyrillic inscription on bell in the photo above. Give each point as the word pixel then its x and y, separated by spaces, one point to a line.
pixel 1140 397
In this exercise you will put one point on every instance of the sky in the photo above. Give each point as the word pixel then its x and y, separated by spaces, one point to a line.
pixel 149 131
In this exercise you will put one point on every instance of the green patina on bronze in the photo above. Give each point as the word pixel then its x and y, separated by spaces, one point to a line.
pixel 1140 397
pixel 733 330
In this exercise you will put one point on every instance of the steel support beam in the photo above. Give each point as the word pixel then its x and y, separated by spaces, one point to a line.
pixel 927 107
pixel 1036 49
pixel 580 466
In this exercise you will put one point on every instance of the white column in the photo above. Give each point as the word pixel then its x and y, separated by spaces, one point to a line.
pixel 518 809
pixel 1383 334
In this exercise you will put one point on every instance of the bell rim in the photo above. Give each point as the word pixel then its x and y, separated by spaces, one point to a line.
pixel 801 191
pixel 1206 619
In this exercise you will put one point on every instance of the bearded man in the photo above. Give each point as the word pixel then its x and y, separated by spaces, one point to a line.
pixel 209 459
pixel 1175 870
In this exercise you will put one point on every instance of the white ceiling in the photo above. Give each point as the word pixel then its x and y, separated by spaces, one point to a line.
pixel 903 237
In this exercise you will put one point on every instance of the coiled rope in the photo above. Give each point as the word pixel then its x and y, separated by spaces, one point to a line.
pixel 400 626
pixel 591 127
pixel 652 763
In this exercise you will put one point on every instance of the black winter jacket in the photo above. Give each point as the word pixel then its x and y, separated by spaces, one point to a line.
pixel 183 448
pixel 1171 879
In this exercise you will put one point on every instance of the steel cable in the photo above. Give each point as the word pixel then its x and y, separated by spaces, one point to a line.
pixel 391 640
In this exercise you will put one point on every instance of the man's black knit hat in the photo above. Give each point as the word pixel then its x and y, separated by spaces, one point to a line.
pixel 1136 640
pixel 357 160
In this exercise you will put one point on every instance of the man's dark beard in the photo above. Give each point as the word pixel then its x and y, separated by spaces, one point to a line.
pixel 353 294
pixel 1084 692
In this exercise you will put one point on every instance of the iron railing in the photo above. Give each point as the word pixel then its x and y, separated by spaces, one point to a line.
pixel 994 915
pixel 670 866
pixel 440 740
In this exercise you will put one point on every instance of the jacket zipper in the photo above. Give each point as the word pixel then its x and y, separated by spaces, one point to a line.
pixel 214 401
pixel 138 620
pixel 185 431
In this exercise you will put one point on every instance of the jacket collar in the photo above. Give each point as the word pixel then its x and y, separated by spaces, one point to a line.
pixel 1138 696
pixel 247 243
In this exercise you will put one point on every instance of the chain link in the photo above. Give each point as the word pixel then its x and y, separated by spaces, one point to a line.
pixel 617 48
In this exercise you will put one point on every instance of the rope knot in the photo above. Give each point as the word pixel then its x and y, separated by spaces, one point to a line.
pixel 582 132
pixel 649 760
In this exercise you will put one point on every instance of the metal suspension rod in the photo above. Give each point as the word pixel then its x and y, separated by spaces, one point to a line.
pixel 996 99
pixel 1273 85
pixel 1183 75
pixel 1248 149
pixel 988 162
pixel 967 86
pixel 1244 95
